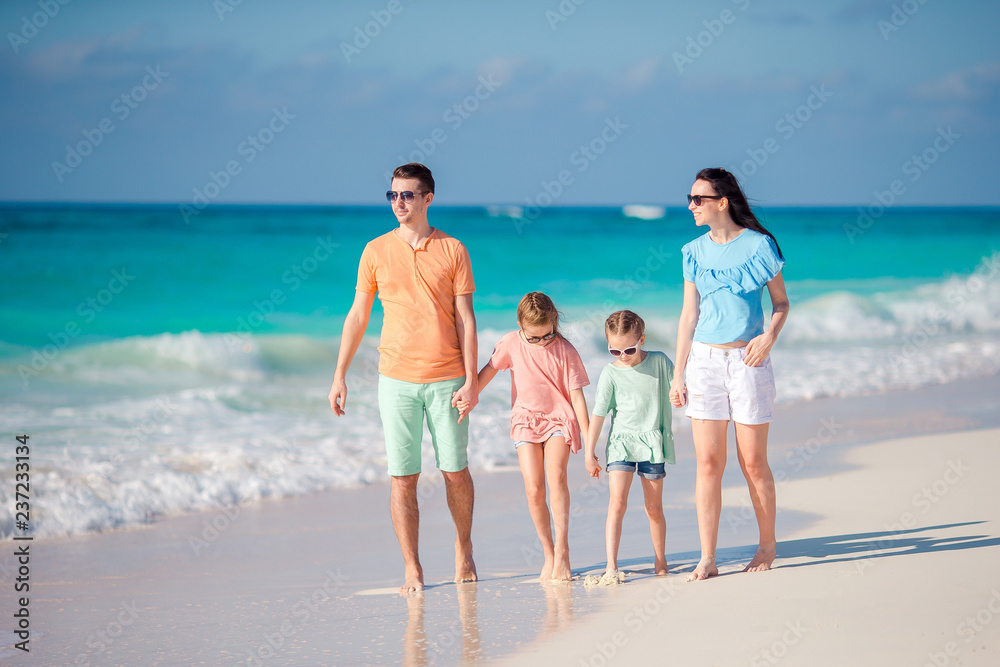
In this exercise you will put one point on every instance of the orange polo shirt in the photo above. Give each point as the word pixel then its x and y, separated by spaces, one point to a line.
pixel 417 289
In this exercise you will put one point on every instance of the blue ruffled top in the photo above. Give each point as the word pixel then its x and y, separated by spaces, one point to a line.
pixel 730 278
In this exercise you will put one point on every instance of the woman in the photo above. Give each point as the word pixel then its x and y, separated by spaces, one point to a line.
pixel 723 347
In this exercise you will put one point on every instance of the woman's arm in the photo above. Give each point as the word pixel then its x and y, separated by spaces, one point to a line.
pixel 579 402
pixel 590 454
pixel 685 335
pixel 760 347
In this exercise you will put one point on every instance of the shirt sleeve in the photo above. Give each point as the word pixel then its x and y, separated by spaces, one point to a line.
pixel 578 378
pixel 604 401
pixel 500 359
pixel 366 271
pixel 769 259
pixel 688 265
pixel 463 284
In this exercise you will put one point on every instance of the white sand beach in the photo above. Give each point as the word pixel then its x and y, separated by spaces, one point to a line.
pixel 888 544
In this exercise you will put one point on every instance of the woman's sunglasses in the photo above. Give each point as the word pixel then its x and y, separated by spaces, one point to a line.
pixel 627 352
pixel 697 199
pixel 535 339
pixel 405 195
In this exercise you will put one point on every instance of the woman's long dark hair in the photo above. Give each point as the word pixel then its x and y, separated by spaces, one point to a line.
pixel 725 185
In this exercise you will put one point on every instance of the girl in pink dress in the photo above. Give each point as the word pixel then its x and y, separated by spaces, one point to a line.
pixel 548 410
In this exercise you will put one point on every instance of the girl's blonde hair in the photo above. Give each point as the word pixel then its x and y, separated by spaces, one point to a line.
pixel 624 322
pixel 536 309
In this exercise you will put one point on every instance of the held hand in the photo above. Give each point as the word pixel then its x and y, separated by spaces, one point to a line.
pixel 338 398
pixel 678 394
pixel 463 408
pixel 594 467
pixel 758 349
pixel 468 398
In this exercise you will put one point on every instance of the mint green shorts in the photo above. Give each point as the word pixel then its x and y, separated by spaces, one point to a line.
pixel 402 406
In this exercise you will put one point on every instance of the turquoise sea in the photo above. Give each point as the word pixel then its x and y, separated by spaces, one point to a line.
pixel 163 365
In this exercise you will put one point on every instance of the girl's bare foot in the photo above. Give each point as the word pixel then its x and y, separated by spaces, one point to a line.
pixel 560 569
pixel 706 568
pixel 546 568
pixel 660 566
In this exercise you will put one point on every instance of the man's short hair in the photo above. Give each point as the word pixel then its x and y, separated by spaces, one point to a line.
pixel 417 171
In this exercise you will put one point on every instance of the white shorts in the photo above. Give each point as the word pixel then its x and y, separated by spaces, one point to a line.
pixel 721 386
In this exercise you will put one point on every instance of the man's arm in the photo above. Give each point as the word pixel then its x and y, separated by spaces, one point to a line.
pixel 465 323
pixel 354 330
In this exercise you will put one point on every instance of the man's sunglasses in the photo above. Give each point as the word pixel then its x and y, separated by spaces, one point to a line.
pixel 405 195
pixel 697 198
pixel 535 339
pixel 627 352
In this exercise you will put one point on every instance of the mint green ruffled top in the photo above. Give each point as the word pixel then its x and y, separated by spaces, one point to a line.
pixel 639 402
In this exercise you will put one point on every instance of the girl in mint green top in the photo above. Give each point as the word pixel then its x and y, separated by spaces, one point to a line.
pixel 635 389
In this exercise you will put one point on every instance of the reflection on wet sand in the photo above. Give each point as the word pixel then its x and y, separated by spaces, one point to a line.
pixel 559 600
pixel 465 629
pixel 415 641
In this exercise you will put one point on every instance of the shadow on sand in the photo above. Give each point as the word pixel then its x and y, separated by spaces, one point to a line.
pixel 882 544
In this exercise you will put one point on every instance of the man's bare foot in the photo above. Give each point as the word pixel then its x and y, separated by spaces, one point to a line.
pixel 706 568
pixel 465 568
pixel 763 558
pixel 660 567
pixel 414 581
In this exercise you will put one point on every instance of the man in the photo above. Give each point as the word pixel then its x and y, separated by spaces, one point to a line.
pixel 427 361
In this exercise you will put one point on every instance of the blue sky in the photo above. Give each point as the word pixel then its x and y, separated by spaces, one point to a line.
pixel 811 103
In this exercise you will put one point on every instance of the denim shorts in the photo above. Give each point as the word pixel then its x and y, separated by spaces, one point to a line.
pixel 721 387
pixel 646 469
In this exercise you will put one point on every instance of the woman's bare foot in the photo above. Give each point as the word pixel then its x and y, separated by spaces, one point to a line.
pixel 762 560
pixel 660 567
pixel 414 581
pixel 706 568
